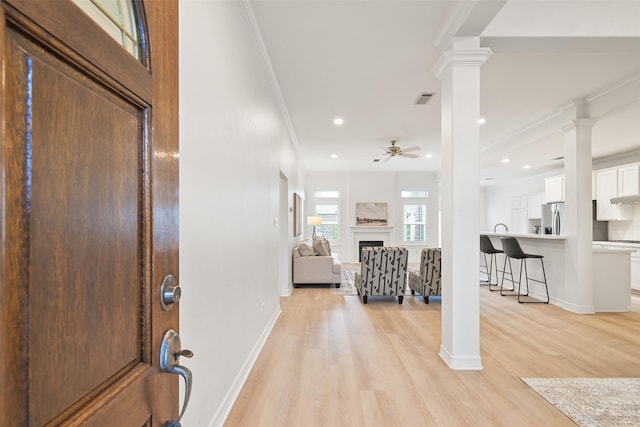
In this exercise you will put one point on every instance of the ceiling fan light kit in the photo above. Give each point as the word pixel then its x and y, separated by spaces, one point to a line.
pixel 393 150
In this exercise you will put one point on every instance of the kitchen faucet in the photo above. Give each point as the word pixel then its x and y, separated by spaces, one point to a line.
pixel 506 229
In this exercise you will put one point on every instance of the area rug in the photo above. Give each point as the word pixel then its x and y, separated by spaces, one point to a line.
pixel 592 402
pixel 347 286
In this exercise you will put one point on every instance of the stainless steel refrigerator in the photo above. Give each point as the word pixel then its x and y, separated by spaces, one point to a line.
pixel 553 218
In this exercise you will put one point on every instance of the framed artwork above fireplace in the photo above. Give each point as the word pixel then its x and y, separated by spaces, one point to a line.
pixel 371 214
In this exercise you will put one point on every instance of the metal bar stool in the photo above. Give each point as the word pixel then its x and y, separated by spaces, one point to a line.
pixel 487 248
pixel 513 250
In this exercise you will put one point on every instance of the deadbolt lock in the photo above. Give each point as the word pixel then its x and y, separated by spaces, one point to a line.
pixel 170 292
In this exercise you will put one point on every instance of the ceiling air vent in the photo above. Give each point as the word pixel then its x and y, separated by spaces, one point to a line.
pixel 423 98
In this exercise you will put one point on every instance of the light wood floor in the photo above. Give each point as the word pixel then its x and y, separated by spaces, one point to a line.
pixel 332 361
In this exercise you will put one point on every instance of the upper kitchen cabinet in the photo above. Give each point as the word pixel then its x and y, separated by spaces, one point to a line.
pixel 628 177
pixel 608 183
pixel 534 205
pixel 519 214
pixel 554 189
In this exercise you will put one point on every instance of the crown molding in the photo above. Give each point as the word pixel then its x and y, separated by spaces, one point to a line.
pixel 273 80
pixel 598 105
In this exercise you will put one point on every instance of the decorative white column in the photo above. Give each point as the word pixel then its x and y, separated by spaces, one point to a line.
pixel 459 71
pixel 578 253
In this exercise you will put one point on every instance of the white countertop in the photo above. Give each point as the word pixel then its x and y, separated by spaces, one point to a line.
pixel 605 249
pixel 525 235
pixel 617 244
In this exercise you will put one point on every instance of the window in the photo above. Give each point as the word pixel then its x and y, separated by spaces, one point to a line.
pixel 328 208
pixel 414 216
pixel 117 18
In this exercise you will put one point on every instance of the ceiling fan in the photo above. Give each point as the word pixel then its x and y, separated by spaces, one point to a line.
pixel 393 150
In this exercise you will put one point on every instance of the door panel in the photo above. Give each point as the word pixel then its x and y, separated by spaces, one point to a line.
pixel 87 235
pixel 84 206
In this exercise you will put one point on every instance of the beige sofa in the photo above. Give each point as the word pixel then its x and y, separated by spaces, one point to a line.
pixel 313 263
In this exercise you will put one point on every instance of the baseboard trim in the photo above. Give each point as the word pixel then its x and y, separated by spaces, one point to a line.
pixel 578 309
pixel 229 400
pixel 286 292
pixel 460 363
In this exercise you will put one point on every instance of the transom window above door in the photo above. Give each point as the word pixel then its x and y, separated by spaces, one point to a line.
pixel 118 18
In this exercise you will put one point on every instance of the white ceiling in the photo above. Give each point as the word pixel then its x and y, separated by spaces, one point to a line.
pixel 368 61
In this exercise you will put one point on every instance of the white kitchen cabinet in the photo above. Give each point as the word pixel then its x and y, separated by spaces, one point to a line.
pixel 628 180
pixel 519 202
pixel 518 215
pixel 519 221
pixel 607 188
pixel 534 205
pixel 554 189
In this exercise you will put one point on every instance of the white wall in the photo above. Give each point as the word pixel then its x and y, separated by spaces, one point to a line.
pixel 233 146
pixel 383 187
pixel 496 200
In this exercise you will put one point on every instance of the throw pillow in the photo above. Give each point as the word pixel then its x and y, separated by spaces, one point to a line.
pixel 320 247
pixel 305 250
pixel 325 245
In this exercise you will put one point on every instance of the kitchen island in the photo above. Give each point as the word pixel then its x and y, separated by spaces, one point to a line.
pixel 610 272
pixel 525 235
pixel 635 258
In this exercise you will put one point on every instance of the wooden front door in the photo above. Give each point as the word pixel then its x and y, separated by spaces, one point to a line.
pixel 88 216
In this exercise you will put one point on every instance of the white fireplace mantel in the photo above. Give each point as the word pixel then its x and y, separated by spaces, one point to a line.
pixel 375 232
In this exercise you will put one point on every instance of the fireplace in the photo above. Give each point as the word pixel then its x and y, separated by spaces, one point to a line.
pixel 367 244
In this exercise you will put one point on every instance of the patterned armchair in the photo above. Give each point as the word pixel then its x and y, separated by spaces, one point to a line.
pixel 383 271
pixel 426 282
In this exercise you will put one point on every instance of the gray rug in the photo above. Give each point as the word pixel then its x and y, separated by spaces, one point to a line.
pixel 592 401
pixel 347 286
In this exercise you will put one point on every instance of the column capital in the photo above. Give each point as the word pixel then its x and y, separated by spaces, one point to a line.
pixel 583 123
pixel 465 58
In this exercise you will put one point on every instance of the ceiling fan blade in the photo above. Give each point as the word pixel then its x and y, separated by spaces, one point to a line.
pixel 409 155
pixel 387 158
pixel 411 149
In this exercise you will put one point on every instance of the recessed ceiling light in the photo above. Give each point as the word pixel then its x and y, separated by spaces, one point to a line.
pixel 428 156
pixel 505 160
pixel 526 167
pixel 482 121
pixel 334 156
pixel 338 121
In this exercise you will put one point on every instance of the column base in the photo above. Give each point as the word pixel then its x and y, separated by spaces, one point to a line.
pixel 460 363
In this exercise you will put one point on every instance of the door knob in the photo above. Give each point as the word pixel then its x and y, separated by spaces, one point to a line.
pixel 170 352
pixel 170 292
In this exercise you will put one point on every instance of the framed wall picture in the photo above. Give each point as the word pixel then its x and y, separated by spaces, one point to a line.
pixel 297 214
pixel 371 214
